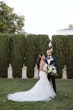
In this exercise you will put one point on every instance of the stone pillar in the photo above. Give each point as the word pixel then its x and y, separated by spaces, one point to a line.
pixel 10 71
pixel 64 72
pixel 24 72
pixel 36 72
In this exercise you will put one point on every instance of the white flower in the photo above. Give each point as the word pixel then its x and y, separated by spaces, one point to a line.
pixel 52 69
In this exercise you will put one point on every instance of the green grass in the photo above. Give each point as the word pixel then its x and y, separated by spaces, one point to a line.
pixel 63 101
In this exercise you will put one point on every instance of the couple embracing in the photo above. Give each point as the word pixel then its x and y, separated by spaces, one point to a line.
pixel 43 90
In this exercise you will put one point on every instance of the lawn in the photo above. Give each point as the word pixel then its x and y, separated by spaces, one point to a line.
pixel 63 101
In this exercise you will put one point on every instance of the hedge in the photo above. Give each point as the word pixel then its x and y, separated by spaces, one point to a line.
pixel 19 50
pixel 4 55
pixel 17 54
pixel 14 48
pixel 63 50
pixel 36 44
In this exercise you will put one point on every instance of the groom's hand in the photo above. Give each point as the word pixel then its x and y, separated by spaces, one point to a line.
pixel 56 74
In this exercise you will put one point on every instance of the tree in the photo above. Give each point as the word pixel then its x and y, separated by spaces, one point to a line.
pixel 9 21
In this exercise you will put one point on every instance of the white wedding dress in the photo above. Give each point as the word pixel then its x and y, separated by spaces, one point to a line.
pixel 42 91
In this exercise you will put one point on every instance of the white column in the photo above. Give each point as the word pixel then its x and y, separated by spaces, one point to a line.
pixel 64 72
pixel 36 72
pixel 24 72
pixel 10 71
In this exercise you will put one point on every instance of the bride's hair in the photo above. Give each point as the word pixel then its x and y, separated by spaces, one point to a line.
pixel 39 59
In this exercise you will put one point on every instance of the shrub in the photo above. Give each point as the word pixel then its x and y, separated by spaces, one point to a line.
pixel 14 48
pixel 17 54
pixel 4 55
pixel 63 49
pixel 36 44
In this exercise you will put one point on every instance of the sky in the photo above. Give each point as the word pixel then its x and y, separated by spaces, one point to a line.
pixel 44 16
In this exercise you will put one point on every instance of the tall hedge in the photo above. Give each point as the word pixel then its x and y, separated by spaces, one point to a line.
pixel 63 49
pixel 17 54
pixel 4 55
pixel 36 44
pixel 19 50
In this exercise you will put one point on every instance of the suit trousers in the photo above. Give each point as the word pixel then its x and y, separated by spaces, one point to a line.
pixel 52 79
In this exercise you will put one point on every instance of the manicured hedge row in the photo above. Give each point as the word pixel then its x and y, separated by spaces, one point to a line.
pixel 17 53
pixel 19 50
pixel 63 50
pixel 4 55
pixel 36 44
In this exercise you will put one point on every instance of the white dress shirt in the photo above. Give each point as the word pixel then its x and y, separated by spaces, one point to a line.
pixel 49 59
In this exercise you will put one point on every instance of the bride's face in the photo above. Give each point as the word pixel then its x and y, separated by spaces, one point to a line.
pixel 43 57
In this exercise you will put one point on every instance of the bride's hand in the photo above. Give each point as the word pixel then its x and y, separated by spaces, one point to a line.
pixel 47 72
pixel 56 74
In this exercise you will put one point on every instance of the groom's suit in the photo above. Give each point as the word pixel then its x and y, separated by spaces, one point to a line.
pixel 51 61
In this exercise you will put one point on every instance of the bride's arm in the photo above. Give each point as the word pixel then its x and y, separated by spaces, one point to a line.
pixel 41 66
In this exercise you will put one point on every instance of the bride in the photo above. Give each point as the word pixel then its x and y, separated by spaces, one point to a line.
pixel 42 90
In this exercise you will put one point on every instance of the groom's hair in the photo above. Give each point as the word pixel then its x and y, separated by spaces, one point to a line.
pixel 49 50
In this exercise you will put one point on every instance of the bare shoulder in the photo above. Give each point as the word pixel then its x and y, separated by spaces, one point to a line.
pixel 42 62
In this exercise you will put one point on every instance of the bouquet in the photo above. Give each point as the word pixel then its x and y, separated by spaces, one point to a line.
pixel 51 69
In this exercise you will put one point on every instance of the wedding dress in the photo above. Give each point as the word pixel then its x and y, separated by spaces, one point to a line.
pixel 42 90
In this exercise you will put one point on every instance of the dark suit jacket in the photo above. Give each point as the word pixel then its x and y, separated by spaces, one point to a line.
pixel 53 62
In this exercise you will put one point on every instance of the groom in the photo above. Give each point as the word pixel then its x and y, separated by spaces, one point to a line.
pixel 52 60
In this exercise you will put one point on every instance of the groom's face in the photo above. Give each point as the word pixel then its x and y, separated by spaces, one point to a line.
pixel 49 53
